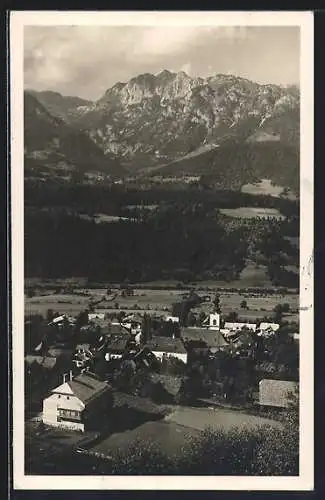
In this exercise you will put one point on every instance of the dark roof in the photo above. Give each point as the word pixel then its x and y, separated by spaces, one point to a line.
pixel 212 338
pixel 166 344
pixel 136 318
pixel 86 387
pixel 243 338
pixel 83 346
pixel 137 403
pixel 116 343
pixel 115 330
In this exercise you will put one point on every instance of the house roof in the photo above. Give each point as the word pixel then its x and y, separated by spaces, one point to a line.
pixel 116 343
pixel 238 326
pixel 136 318
pixel 276 392
pixel 244 338
pixel 166 344
pixel 84 386
pixel 212 338
pixel 115 329
pixel 83 347
pixel 271 326
pixel 136 402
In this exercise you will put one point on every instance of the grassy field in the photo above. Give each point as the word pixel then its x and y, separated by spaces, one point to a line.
pixel 157 302
pixel 200 418
pixel 173 433
pixel 103 218
pixel 264 187
pixel 170 437
pixel 252 212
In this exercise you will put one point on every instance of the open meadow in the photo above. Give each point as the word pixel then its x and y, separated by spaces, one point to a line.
pixel 201 418
pixel 252 212
pixel 158 302
pixel 173 434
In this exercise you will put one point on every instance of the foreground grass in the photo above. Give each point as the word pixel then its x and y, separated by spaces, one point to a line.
pixel 262 451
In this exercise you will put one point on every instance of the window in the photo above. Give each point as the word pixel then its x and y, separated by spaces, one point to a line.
pixel 59 395
pixel 70 415
pixel 68 397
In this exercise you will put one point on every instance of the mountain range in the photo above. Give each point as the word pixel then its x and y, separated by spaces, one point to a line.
pixel 173 124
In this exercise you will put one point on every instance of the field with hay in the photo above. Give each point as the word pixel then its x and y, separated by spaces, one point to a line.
pixel 252 212
pixel 159 302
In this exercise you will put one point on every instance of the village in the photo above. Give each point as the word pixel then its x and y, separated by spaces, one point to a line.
pixel 189 368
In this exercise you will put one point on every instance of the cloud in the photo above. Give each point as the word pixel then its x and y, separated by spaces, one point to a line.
pixel 187 68
pixel 86 60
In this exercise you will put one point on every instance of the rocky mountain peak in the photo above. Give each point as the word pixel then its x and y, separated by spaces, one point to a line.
pixel 170 114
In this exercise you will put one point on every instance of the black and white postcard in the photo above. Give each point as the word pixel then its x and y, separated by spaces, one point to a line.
pixel 162 250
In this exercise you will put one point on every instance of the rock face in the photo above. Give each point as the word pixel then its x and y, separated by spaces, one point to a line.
pixel 168 115
pixel 158 119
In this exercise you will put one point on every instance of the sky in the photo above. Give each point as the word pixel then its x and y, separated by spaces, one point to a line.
pixel 85 61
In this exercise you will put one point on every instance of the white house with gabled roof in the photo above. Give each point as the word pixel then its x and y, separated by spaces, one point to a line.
pixel 77 402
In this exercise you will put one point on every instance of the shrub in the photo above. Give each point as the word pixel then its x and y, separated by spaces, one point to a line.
pixel 262 451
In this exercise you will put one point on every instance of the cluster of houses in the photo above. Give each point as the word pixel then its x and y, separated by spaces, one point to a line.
pixel 81 394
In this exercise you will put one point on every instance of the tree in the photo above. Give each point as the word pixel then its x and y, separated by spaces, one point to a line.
pixel 285 308
pixel 121 315
pixel 30 293
pixel 278 313
pixel 50 315
pixel 191 320
pixel 279 309
pixel 170 329
pixel 216 303
pixel 243 304
pixel 82 319
pixel 181 309
pixel 232 316
pixel 146 328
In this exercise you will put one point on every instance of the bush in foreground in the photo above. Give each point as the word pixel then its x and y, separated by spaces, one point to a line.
pixel 260 451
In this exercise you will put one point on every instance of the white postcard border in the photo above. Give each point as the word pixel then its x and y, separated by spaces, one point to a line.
pixel 303 19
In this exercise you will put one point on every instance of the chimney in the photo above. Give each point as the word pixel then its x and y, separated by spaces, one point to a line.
pixel 64 377
pixel 70 375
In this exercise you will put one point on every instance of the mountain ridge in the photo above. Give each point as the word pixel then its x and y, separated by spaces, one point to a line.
pixel 162 118
pixel 51 143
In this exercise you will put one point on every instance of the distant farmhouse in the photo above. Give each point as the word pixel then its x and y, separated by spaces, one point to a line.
pixel 238 326
pixel 209 338
pixel 77 402
pixel 167 347
pixel 269 326
pixel 268 329
pixel 96 315
pixel 173 319
pixel 116 347
pixel 276 392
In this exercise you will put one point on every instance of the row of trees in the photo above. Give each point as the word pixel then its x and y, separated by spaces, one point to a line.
pixel 116 199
